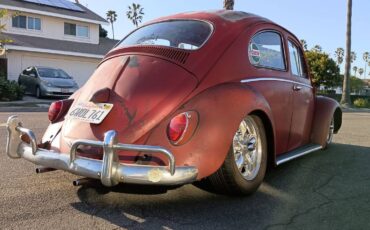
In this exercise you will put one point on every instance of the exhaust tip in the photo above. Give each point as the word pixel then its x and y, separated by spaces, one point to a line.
pixel 81 182
pixel 44 170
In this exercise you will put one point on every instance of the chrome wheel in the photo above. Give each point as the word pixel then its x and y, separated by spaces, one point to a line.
pixel 247 149
pixel 329 139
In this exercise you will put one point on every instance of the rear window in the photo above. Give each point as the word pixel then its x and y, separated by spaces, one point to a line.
pixel 183 34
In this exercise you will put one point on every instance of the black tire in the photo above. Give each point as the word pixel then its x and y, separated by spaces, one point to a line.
pixel 229 180
pixel 38 93
pixel 329 138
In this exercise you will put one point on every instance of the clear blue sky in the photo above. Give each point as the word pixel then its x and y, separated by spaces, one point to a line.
pixel 320 22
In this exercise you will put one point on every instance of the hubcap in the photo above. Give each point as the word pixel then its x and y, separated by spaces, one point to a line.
pixel 331 132
pixel 248 149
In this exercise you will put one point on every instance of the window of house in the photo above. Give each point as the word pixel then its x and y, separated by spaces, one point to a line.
pixel 19 22
pixel 266 50
pixel 76 30
pixel 25 22
pixel 296 61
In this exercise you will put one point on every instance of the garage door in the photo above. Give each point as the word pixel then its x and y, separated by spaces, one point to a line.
pixel 79 68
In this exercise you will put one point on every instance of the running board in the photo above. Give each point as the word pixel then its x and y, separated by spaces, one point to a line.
pixel 304 150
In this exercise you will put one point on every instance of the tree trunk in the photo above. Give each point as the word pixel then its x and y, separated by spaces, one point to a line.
pixel 229 4
pixel 113 30
pixel 346 99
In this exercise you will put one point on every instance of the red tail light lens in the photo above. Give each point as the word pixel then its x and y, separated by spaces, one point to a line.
pixel 177 127
pixel 58 109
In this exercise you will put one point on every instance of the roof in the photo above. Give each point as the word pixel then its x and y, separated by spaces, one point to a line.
pixel 87 14
pixel 23 42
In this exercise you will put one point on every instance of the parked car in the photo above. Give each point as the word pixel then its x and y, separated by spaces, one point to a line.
pixel 207 97
pixel 46 81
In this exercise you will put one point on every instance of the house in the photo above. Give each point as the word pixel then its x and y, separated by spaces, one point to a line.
pixel 52 33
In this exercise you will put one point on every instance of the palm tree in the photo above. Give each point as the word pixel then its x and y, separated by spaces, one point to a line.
pixel 355 70
pixel 360 71
pixel 339 54
pixel 346 99
pixel 317 48
pixel 366 58
pixel 229 4
pixel 353 56
pixel 112 18
pixel 304 44
pixel 135 13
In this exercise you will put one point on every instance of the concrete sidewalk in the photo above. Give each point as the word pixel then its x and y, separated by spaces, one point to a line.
pixel 28 104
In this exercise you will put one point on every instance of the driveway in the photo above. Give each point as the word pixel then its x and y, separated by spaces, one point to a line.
pixel 324 190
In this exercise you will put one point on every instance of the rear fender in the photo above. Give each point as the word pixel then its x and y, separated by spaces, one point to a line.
pixel 220 110
pixel 325 109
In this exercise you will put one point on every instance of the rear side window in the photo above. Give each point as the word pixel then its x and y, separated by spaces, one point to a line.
pixel 266 50
pixel 183 34
pixel 296 61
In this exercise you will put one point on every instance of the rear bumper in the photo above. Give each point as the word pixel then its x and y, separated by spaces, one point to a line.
pixel 109 170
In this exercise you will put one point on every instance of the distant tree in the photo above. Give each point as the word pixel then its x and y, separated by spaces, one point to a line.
pixel 103 33
pixel 304 44
pixel 360 71
pixel 355 68
pixel 112 18
pixel 229 4
pixel 317 48
pixel 339 54
pixel 323 69
pixel 135 13
pixel 366 58
pixel 353 56
pixel 356 84
pixel 346 97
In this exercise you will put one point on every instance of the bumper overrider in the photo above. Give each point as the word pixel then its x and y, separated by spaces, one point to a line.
pixel 109 170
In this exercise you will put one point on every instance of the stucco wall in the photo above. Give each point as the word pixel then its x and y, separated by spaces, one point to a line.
pixel 79 68
pixel 52 27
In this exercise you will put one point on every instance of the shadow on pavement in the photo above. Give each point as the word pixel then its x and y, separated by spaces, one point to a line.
pixel 325 190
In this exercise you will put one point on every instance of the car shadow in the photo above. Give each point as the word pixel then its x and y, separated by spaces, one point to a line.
pixel 291 194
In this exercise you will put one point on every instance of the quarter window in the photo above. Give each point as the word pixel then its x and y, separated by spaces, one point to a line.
pixel 296 61
pixel 76 30
pixel 25 22
pixel 266 50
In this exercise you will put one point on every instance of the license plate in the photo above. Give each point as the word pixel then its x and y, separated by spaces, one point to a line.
pixel 65 91
pixel 90 112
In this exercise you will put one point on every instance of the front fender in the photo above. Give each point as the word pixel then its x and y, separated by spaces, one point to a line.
pixel 325 109
pixel 220 110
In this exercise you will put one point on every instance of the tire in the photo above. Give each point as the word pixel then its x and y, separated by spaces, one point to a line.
pixel 233 180
pixel 38 93
pixel 329 138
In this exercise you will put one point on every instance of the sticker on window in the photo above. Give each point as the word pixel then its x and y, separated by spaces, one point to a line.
pixel 254 54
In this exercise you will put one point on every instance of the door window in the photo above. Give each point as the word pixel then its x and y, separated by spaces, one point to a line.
pixel 266 50
pixel 296 61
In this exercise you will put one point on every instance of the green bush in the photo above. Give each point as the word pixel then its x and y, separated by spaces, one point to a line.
pixel 361 103
pixel 10 90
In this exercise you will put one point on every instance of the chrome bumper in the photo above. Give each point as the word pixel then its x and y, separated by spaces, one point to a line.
pixel 109 170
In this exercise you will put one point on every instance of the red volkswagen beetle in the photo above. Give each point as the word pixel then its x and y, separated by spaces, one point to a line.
pixel 212 97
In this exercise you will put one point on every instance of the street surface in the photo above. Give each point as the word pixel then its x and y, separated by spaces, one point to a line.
pixel 324 190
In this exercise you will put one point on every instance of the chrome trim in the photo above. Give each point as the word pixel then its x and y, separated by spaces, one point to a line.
pixel 109 170
pixel 274 79
pixel 297 153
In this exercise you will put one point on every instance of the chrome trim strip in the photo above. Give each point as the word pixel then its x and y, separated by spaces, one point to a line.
pixel 297 153
pixel 274 79
pixel 109 170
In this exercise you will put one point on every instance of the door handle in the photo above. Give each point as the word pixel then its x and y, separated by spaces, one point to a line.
pixel 297 88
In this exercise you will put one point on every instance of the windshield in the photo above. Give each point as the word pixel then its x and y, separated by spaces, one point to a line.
pixel 53 73
pixel 188 35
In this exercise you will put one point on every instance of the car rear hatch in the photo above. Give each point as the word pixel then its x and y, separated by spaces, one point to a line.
pixel 143 91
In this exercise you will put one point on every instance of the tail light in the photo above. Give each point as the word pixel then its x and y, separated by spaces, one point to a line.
pixel 58 109
pixel 182 127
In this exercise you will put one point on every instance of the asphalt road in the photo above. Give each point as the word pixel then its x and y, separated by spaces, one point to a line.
pixel 325 190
